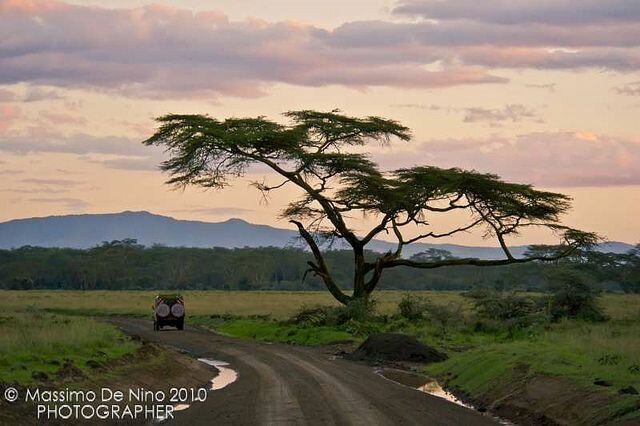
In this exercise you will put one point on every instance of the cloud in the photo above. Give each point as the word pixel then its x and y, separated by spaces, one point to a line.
pixel 35 191
pixel 50 182
pixel 560 12
pixel 62 118
pixel 10 172
pixel 631 89
pixel 513 113
pixel 552 159
pixel 32 94
pixel 131 164
pixel 417 106
pixel 7 96
pixel 8 114
pixel 68 203
pixel 37 94
pixel 551 87
pixel 43 141
pixel 162 51
pixel 108 151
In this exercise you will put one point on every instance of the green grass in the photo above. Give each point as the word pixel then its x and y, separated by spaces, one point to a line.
pixel 275 331
pixel 478 361
pixel 575 350
pixel 277 304
pixel 36 341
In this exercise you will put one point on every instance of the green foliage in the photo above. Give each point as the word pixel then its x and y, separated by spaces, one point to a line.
pixel 313 152
pixel 41 342
pixel 630 281
pixel 412 307
pixel 416 308
pixel 206 152
pixel 573 297
pixel 117 266
pixel 361 309
pixel 317 315
pixel 358 310
pixel 575 350
pixel 504 305
pixel 274 331
pixel 444 316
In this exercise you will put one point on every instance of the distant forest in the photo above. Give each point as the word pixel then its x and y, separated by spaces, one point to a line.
pixel 120 265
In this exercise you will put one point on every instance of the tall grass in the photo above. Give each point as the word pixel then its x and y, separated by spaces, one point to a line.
pixel 42 342
pixel 278 304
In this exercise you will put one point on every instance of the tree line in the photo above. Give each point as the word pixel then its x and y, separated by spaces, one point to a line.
pixel 127 265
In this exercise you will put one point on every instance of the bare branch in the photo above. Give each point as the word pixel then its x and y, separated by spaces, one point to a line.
pixel 321 268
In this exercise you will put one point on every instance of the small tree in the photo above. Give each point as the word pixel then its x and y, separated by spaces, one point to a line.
pixel 631 271
pixel 573 297
pixel 315 154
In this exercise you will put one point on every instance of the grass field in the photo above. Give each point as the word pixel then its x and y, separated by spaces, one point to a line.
pixel 42 343
pixel 277 304
pixel 50 325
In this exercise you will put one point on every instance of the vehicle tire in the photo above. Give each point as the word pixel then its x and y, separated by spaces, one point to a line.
pixel 180 325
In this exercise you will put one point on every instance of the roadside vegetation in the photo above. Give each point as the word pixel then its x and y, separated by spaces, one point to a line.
pixel 494 337
pixel 38 346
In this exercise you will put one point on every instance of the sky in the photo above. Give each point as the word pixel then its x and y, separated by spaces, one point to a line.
pixel 545 92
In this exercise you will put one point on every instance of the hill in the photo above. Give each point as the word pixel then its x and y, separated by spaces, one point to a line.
pixel 88 230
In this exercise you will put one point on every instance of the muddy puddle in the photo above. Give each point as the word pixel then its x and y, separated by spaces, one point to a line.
pixel 428 385
pixel 224 378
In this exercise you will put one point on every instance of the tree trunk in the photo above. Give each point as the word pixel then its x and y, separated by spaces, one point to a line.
pixel 359 288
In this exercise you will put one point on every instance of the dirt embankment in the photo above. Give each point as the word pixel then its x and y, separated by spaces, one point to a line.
pixel 522 397
pixel 151 367
pixel 545 400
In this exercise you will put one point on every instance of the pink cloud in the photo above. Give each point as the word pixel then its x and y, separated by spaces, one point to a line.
pixel 8 113
pixel 62 118
pixel 562 12
pixel 164 51
pixel 549 159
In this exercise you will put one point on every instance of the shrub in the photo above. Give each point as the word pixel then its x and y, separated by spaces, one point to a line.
pixel 361 310
pixel 504 305
pixel 315 315
pixel 573 297
pixel 444 316
pixel 413 308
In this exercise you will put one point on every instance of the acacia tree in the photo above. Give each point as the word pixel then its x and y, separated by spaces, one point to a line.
pixel 318 153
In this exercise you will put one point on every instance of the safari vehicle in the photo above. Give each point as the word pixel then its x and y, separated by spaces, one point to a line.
pixel 168 309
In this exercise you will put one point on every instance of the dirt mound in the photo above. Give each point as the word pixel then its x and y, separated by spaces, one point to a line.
pixel 396 347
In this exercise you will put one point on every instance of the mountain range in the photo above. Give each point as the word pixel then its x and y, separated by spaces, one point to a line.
pixel 88 230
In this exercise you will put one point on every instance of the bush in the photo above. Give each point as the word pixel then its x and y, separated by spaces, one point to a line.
pixel 316 315
pixel 444 316
pixel 573 297
pixel 361 310
pixel 413 308
pixel 504 305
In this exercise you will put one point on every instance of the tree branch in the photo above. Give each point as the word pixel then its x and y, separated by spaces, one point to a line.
pixel 321 268
pixel 474 262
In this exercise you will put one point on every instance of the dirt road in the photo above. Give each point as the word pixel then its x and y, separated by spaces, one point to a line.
pixel 290 385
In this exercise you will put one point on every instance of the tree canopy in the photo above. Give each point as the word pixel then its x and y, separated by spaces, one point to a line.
pixel 321 154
